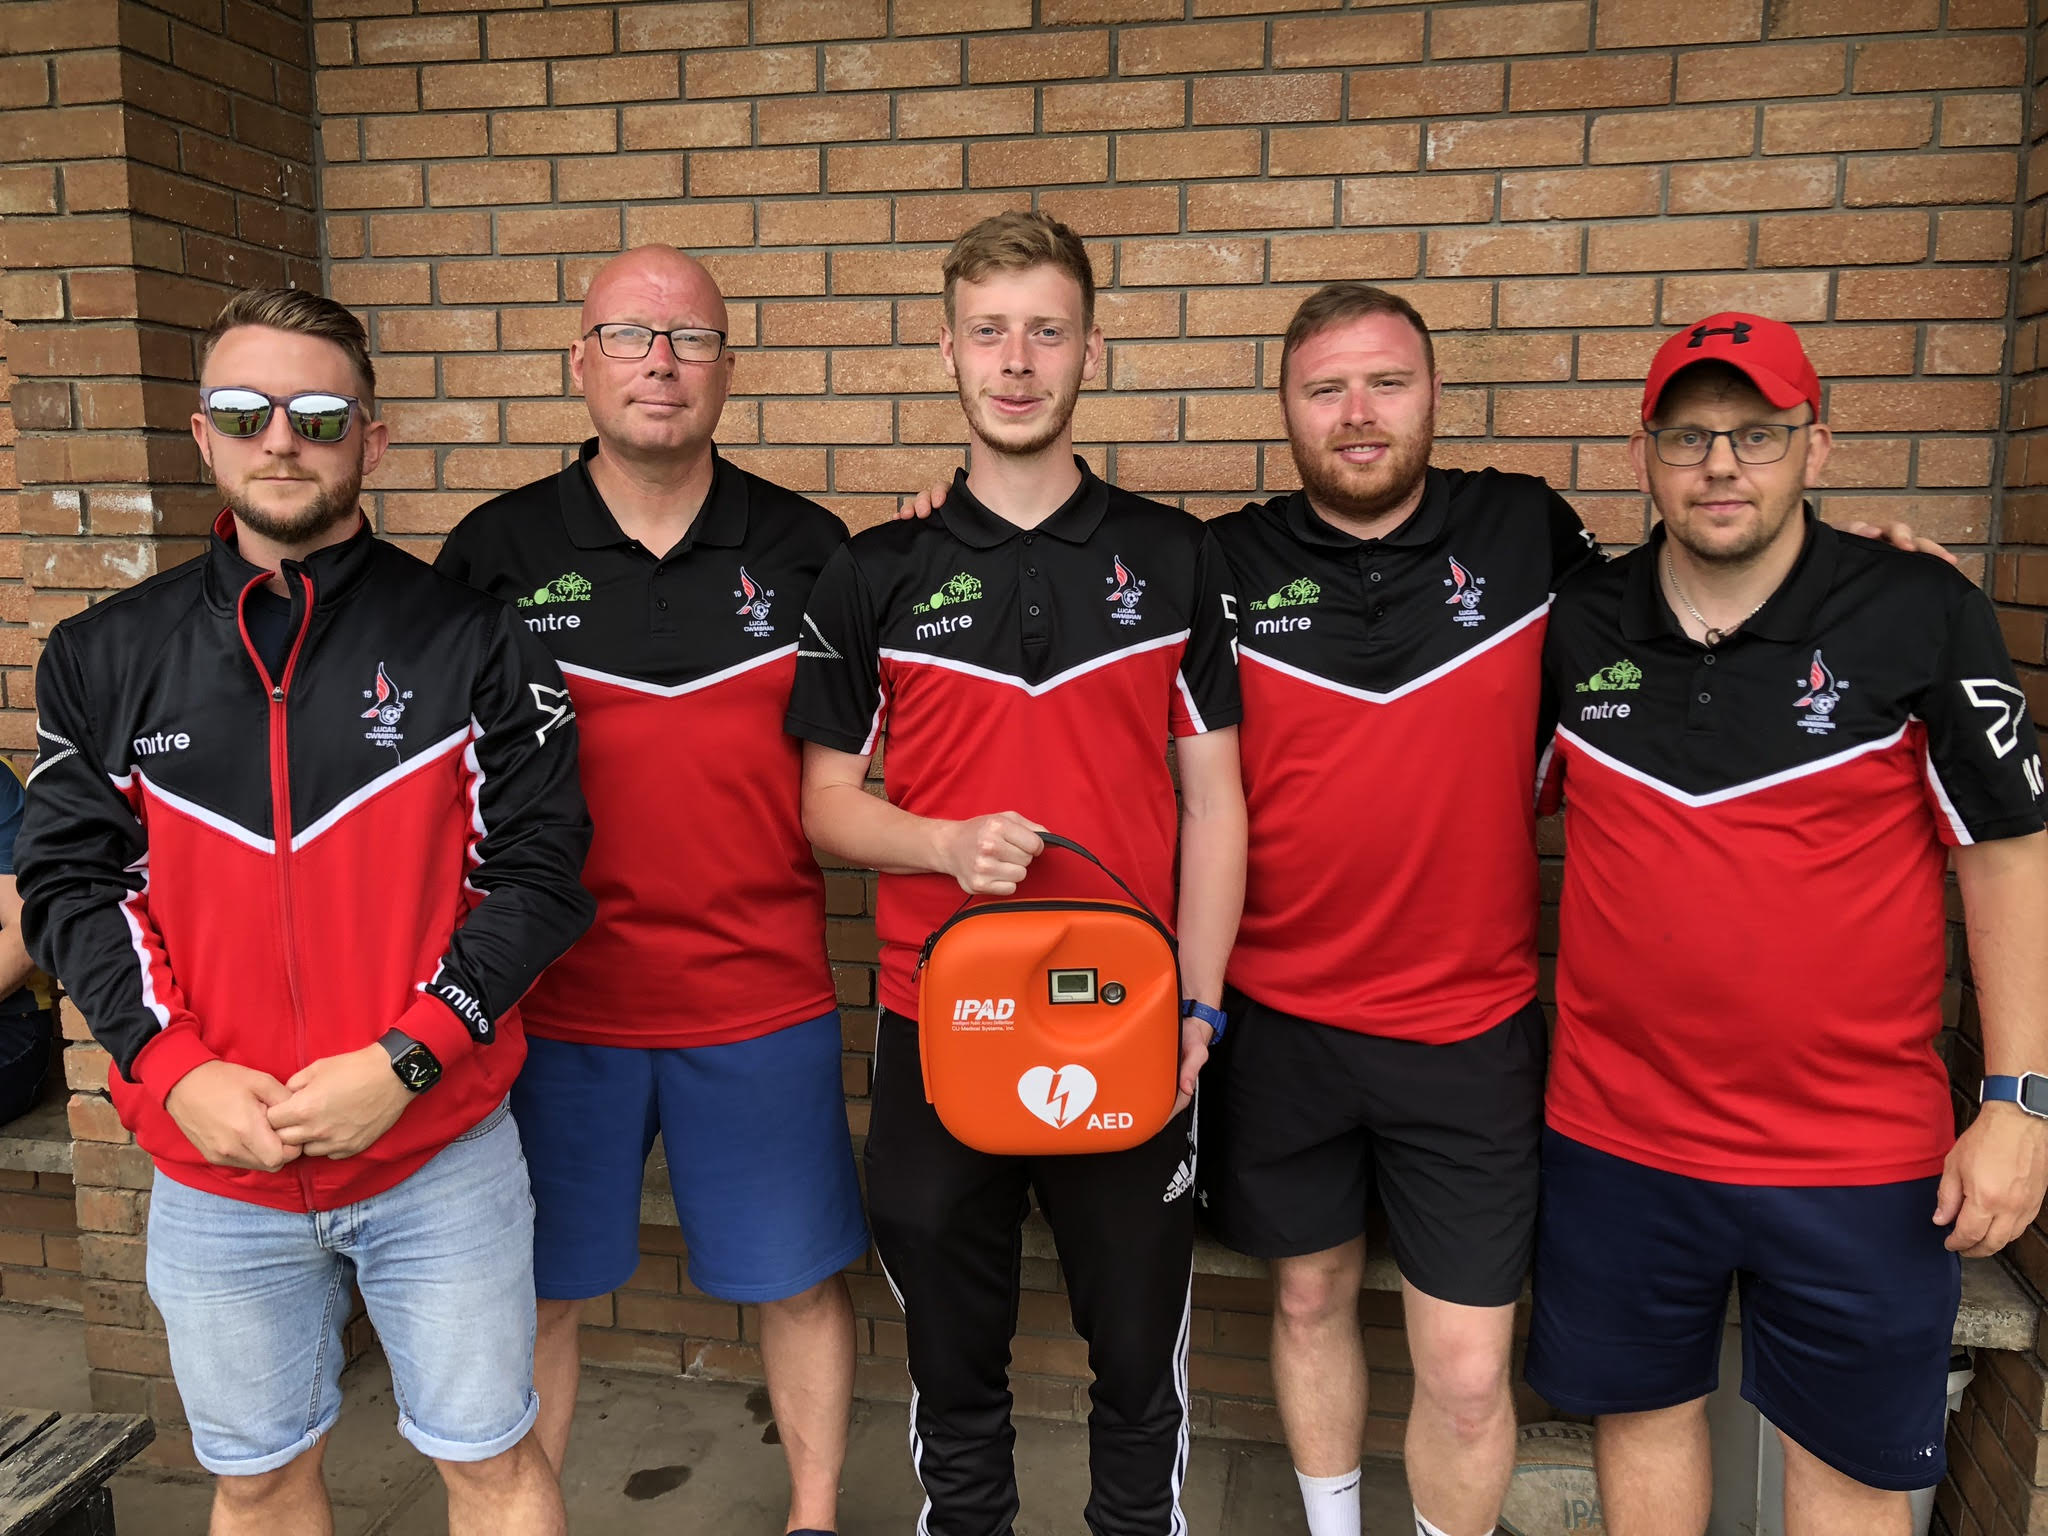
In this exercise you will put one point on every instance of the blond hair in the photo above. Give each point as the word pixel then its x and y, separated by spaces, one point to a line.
pixel 302 313
pixel 1016 242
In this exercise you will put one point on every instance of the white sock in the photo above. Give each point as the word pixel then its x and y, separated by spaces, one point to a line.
pixel 1331 1502
pixel 1424 1528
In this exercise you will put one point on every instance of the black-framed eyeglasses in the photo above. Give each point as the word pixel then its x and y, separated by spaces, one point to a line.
pixel 1764 443
pixel 691 344
pixel 316 415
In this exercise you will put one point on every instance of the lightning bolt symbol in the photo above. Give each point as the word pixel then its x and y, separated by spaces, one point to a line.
pixel 1057 1098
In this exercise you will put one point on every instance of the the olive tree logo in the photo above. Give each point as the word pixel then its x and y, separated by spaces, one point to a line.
pixel 959 589
pixel 568 587
pixel 1298 593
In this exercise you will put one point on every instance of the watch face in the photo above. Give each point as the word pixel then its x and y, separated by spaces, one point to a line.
pixel 2034 1094
pixel 416 1068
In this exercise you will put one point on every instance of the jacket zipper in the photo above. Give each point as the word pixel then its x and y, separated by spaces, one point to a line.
pixel 281 827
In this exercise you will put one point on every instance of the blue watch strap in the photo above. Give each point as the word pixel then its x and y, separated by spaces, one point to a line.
pixel 1215 1018
pixel 2029 1090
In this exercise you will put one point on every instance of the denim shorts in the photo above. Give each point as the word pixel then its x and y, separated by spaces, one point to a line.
pixel 254 1301
pixel 760 1162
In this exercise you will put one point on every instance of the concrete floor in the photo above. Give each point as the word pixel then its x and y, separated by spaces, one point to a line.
pixel 654 1455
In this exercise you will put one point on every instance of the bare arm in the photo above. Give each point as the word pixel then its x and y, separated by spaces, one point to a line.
pixel 987 855
pixel 1212 859
pixel 1996 1174
pixel 15 964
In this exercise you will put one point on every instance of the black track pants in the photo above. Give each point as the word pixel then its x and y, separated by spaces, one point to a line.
pixel 947 1222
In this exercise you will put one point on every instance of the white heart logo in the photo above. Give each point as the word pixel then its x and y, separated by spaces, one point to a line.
pixel 1057 1095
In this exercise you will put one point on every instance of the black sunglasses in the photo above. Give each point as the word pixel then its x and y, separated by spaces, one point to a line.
pixel 317 416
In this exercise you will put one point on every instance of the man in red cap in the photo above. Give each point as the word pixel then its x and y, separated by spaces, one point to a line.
pixel 1772 740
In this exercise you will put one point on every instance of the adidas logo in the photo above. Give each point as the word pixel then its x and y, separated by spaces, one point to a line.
pixel 1182 1181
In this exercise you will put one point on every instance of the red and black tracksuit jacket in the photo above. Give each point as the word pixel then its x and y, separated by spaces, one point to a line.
pixel 225 865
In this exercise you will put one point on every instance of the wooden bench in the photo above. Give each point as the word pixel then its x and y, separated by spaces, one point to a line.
pixel 54 1469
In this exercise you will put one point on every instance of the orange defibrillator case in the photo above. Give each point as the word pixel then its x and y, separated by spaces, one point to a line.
pixel 1051 1026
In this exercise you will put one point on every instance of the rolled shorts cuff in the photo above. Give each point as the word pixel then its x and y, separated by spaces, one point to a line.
pixel 479 1450
pixel 256 1466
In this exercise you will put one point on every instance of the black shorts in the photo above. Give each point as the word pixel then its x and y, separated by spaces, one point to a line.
pixel 1301 1120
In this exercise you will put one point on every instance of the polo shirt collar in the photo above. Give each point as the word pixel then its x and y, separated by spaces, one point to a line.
pixel 1789 614
pixel 1422 528
pixel 721 523
pixel 1075 522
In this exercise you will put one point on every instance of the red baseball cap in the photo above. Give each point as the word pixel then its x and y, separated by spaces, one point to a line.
pixel 1766 352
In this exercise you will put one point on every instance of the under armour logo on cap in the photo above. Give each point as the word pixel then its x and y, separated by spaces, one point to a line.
pixel 1739 331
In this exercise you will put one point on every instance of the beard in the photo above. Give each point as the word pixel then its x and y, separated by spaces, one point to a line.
pixel 1022 441
pixel 1362 493
pixel 328 508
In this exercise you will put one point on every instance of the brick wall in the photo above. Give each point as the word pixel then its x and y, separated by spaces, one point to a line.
pixel 39 1240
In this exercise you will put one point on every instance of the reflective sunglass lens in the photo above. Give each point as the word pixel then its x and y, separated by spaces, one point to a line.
pixel 319 418
pixel 237 412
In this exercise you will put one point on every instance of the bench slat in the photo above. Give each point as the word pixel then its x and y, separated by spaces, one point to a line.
pixel 47 1476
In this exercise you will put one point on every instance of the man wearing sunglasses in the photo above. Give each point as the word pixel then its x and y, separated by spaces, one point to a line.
pixel 671 584
pixel 304 827
pixel 1772 741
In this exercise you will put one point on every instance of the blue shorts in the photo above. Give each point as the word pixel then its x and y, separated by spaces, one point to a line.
pixel 254 1301
pixel 1848 1305
pixel 760 1162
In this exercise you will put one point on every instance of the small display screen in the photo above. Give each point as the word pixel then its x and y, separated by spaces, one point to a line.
pixel 1075 986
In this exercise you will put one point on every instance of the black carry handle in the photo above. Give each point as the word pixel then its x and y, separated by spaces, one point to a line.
pixel 1052 840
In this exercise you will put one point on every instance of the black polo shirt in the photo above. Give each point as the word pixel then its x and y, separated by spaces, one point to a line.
pixel 1391 690
pixel 1751 960
pixel 1035 671
pixel 710 907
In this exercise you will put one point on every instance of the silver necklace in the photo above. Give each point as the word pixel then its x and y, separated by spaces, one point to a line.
pixel 1714 636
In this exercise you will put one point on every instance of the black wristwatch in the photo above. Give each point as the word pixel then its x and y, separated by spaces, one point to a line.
pixel 414 1063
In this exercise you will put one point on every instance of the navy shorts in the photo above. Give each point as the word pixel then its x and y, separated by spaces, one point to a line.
pixel 1848 1305
pixel 759 1161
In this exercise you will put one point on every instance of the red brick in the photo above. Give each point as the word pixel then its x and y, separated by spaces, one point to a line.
pixel 1965 349
pixel 422 137
pixel 1038 162
pixel 1618 192
pixel 622 77
pixel 1128 104
pixel 1176 263
pixel 1437 90
pixel 1183 365
pixel 920 17
pixel 517 84
pixel 549 34
pixel 961 113
pixel 1833 239
pixel 1940 64
pixel 1188 156
pixel 1947 293
pixel 361 284
pixel 1532 26
pixel 493 375
pixel 429 234
pixel 1372 257
pixel 368 90
pixel 589 131
pixel 834 323
pixel 459 183
pixel 1185 50
pixel 1745 185
pixel 1428 199
pixel 1042 56
pixel 944 216
pixel 372 186
pixel 1657 23
pixel 1688 133
pixel 561 422
pixel 1062 13
pixel 1105 418
pixel 434 421
pixel 891 66
pixel 1796 297
pixel 613 178
pixel 690 126
pixel 1565 412
pixel 691 225
pixel 1544 141
pixel 1835 18
pixel 752 172
pixel 1625 80
pixel 697 24
pixel 740 274
pixel 1295 98
pixel 1668 246
pixel 1752 71
pixel 1347 40
pixel 1931 178
pixel 1973 234
pixel 818 120
pixel 886 271
pixel 1493 252
pixel 1261 204
pixel 1573 303
pixel 805 21
pixel 1117 210
pixel 1355 150
pixel 1848 125
pixel 890 167
pixel 754 72
pixel 1970 121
